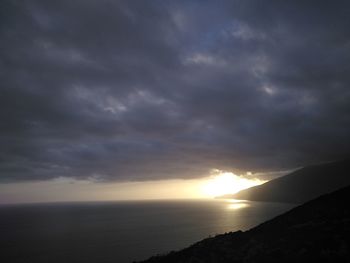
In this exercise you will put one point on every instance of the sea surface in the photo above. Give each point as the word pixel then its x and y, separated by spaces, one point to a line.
pixel 120 232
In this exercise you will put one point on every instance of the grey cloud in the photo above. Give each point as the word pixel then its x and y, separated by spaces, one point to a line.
pixel 124 90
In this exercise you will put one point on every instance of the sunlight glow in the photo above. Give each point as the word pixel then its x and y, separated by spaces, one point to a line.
pixel 237 206
pixel 67 189
pixel 221 183
pixel 234 204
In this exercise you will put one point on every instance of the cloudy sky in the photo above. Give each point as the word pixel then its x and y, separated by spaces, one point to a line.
pixel 118 91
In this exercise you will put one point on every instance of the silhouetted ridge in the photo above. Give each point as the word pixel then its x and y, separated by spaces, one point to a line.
pixel 317 231
pixel 301 185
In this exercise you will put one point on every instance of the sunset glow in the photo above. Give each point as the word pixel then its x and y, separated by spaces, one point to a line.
pixel 216 183
pixel 221 183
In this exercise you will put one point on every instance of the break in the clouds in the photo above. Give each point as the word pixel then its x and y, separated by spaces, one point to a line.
pixel 139 90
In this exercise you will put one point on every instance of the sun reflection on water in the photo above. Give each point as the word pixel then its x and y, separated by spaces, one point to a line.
pixel 235 204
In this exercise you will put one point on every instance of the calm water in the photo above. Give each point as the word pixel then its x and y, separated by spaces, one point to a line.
pixel 119 232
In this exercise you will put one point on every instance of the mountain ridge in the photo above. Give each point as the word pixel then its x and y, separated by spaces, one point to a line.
pixel 301 185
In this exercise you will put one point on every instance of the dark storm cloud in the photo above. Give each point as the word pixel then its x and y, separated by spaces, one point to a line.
pixel 139 90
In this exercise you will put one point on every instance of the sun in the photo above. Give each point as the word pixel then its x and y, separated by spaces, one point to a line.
pixel 221 183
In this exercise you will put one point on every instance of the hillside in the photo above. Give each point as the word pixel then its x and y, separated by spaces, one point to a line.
pixel 301 185
pixel 317 231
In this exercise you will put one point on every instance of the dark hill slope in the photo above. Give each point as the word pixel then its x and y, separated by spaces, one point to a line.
pixel 317 231
pixel 301 185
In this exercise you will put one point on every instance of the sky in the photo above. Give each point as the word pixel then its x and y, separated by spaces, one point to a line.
pixel 113 94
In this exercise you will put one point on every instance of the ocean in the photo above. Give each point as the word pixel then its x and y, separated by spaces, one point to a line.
pixel 120 232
